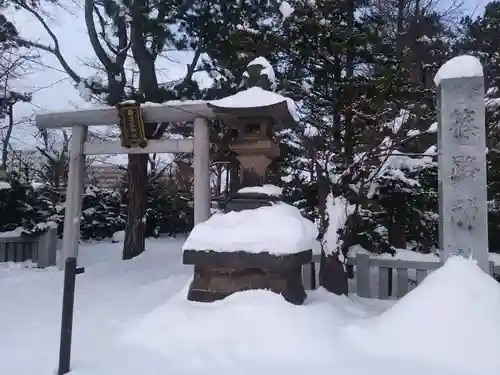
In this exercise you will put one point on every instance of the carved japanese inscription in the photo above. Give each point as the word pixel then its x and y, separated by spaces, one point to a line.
pixel 463 126
pixel 464 212
pixel 463 168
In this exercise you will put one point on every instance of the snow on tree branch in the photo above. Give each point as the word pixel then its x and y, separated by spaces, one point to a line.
pixel 286 9
pixel 338 210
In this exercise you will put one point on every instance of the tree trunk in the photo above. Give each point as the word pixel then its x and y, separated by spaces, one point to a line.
pixel 332 275
pixel 6 141
pixel 398 217
pixel 348 94
pixel 134 243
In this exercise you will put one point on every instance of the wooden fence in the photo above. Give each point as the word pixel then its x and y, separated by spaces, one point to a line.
pixel 41 249
pixel 374 277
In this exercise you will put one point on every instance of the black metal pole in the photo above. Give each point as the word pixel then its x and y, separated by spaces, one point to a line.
pixel 67 316
pixel 313 276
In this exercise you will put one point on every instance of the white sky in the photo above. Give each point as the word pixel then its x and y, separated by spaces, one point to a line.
pixel 53 89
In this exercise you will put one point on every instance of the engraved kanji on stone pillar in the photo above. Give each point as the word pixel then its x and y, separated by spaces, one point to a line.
pixel 463 223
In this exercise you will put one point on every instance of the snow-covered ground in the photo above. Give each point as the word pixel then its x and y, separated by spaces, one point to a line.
pixel 131 317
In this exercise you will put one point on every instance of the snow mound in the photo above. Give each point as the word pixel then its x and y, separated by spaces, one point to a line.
pixel 277 229
pixel 266 189
pixel 258 332
pixel 248 328
pixel 286 9
pixel 459 67
pixel 452 319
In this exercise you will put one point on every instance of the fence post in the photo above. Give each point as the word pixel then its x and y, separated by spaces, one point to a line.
pixel 47 248
pixel 363 275
pixel 3 251
pixel 309 275
pixel 306 276
pixel 390 281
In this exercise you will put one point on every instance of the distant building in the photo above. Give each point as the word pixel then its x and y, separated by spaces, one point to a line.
pixel 104 175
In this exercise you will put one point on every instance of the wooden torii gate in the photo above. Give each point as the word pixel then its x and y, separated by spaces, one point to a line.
pixel 79 120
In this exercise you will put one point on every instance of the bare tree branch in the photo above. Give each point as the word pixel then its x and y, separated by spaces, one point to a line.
pixel 56 51
pixel 94 38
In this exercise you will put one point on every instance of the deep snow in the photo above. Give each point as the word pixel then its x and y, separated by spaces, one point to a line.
pixel 458 306
pixel 132 317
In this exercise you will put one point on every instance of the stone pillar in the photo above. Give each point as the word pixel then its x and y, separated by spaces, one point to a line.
pixel 201 150
pixel 47 248
pixel 74 192
pixel 463 213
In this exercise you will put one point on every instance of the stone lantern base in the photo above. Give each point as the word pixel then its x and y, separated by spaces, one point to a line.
pixel 220 274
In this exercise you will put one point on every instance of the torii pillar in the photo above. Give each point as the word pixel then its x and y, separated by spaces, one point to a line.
pixel 201 151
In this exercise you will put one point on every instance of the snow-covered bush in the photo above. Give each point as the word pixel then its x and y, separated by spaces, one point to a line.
pixel 170 210
pixel 16 208
pixel 406 205
pixel 24 208
pixel 103 213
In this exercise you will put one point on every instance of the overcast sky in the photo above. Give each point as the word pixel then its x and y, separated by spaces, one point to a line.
pixel 53 89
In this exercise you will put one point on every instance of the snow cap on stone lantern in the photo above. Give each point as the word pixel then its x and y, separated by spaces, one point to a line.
pixel 259 73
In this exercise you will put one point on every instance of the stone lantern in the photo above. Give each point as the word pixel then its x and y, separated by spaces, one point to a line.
pixel 254 114
pixel 246 248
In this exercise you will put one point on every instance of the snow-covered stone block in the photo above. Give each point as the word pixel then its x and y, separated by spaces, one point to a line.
pixel 276 229
pixel 263 248
pixel 220 274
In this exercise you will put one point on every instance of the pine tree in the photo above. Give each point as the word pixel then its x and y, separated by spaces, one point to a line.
pixel 480 37
pixel 361 78
pixel 24 208
pixel 170 209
